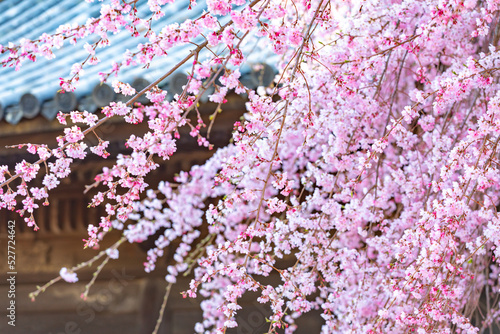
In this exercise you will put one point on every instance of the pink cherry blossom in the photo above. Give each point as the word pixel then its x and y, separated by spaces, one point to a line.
pixel 363 177
pixel 68 276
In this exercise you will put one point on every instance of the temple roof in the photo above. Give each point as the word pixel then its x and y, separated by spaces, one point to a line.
pixel 32 90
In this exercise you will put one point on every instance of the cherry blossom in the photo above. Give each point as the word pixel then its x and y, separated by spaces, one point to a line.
pixel 370 162
pixel 68 276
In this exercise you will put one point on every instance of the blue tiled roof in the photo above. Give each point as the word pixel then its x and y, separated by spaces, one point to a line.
pixel 31 18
